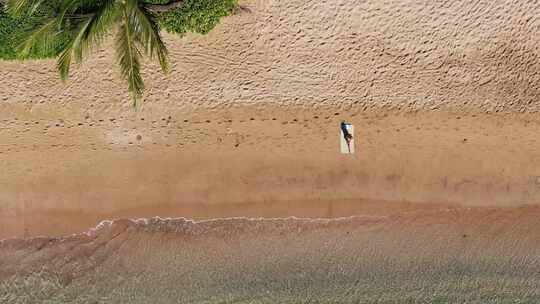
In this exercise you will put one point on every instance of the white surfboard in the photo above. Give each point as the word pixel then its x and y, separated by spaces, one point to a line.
pixel 347 149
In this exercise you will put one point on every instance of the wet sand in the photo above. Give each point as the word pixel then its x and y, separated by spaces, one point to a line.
pixel 478 255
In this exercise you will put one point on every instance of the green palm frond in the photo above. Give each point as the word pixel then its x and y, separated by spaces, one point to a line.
pixel 148 35
pixel 99 23
pixel 128 53
pixel 44 38
pixel 107 14
pixel 69 8
pixel 90 31
pixel 64 60
pixel 20 7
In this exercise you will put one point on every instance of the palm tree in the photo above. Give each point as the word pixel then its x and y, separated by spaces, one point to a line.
pixel 87 23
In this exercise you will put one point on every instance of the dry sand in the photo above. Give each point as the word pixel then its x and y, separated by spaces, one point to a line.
pixel 444 96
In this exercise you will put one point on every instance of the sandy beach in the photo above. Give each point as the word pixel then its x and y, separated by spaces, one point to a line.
pixel 445 100
pixel 247 121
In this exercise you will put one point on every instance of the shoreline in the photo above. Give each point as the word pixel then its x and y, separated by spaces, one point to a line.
pixel 57 223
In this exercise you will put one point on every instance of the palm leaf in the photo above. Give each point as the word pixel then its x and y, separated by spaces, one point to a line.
pixel 64 63
pixel 148 35
pixel 44 38
pixel 99 24
pixel 128 56
pixel 65 58
pixel 19 7
pixel 90 32
pixel 68 11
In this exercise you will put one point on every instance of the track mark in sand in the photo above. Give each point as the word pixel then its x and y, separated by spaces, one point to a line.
pixel 208 59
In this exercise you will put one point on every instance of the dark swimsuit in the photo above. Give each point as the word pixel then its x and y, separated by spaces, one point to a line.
pixel 346 133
